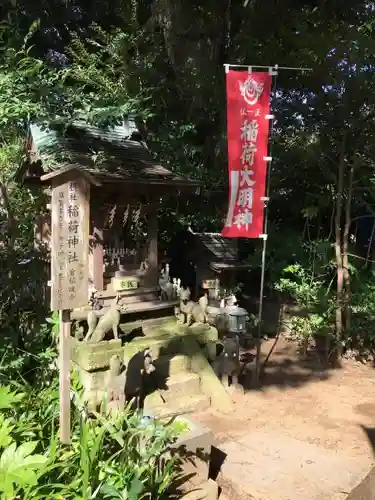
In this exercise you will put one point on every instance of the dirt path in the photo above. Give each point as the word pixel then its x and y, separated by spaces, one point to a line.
pixel 306 433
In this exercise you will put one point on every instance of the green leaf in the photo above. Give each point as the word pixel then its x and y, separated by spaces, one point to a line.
pixel 5 431
pixel 310 212
pixel 110 491
pixel 8 398
pixel 136 489
pixel 18 467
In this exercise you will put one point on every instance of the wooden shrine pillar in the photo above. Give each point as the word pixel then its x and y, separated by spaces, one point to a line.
pixel 152 238
pixel 97 250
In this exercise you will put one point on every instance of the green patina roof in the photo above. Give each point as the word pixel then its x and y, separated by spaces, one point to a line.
pixel 112 154
pixel 221 253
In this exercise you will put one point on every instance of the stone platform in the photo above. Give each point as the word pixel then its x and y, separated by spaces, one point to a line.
pixel 132 308
pixel 194 449
pixel 185 380
pixel 271 466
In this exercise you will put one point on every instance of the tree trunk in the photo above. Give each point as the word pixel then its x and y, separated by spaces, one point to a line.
pixel 369 247
pixel 10 219
pixel 338 252
pixel 345 250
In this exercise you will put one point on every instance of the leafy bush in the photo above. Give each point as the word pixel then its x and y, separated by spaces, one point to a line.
pixel 26 353
pixel 312 295
pixel 107 459
pixel 362 335
pixel 24 272
pixel 301 284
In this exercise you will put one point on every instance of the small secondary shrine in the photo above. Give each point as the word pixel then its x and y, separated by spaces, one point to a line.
pixel 124 201
pixel 206 262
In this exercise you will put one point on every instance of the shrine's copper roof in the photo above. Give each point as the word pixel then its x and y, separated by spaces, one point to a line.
pixel 221 249
pixel 221 253
pixel 111 155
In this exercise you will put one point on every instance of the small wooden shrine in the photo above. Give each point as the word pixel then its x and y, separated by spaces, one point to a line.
pixel 123 205
pixel 206 261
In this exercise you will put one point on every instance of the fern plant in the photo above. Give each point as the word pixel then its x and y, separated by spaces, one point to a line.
pixel 107 459
pixel 311 294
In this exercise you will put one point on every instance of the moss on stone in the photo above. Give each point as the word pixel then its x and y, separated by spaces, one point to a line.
pixel 210 384
pixel 91 357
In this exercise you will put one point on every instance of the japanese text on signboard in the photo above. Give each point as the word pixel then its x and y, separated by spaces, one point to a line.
pixel 70 220
pixel 248 98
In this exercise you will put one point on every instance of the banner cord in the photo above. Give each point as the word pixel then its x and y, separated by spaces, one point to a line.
pixel 265 229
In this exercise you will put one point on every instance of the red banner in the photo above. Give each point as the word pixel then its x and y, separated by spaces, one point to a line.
pixel 248 104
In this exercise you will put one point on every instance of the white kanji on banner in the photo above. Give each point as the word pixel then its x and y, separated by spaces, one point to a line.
pixel 245 177
pixel 243 218
pixel 249 130
pixel 248 153
pixel 245 198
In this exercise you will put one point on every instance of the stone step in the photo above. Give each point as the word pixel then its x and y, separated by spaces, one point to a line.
pixel 209 490
pixel 169 365
pixel 180 385
pixel 143 306
pixel 129 296
pixel 155 406
pixel 110 293
pixel 142 297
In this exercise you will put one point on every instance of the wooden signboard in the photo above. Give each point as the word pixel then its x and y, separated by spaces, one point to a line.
pixel 70 219
pixel 206 284
pixel 70 243
pixel 126 283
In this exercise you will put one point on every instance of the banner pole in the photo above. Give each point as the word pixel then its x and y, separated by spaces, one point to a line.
pixel 274 72
pixel 284 68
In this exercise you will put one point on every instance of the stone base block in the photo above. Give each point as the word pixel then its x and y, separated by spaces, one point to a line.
pixel 208 490
pixel 365 490
pixel 203 333
pixel 160 346
pixel 210 384
pixel 194 448
pixel 92 381
pixel 92 357
pixel 155 405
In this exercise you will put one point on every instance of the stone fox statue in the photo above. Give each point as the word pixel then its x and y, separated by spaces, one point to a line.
pixel 228 366
pixel 193 312
pixel 109 320
pixel 124 384
pixel 140 366
pixel 114 387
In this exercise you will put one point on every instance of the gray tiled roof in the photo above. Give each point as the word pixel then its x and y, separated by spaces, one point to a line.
pixel 222 249
pixel 221 253
pixel 110 154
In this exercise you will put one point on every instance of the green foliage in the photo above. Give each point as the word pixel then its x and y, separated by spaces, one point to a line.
pixel 306 328
pixel 54 321
pixel 362 332
pixel 23 334
pixel 102 71
pixel 309 285
pixel 107 459
pixel 302 285
pixel 19 467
